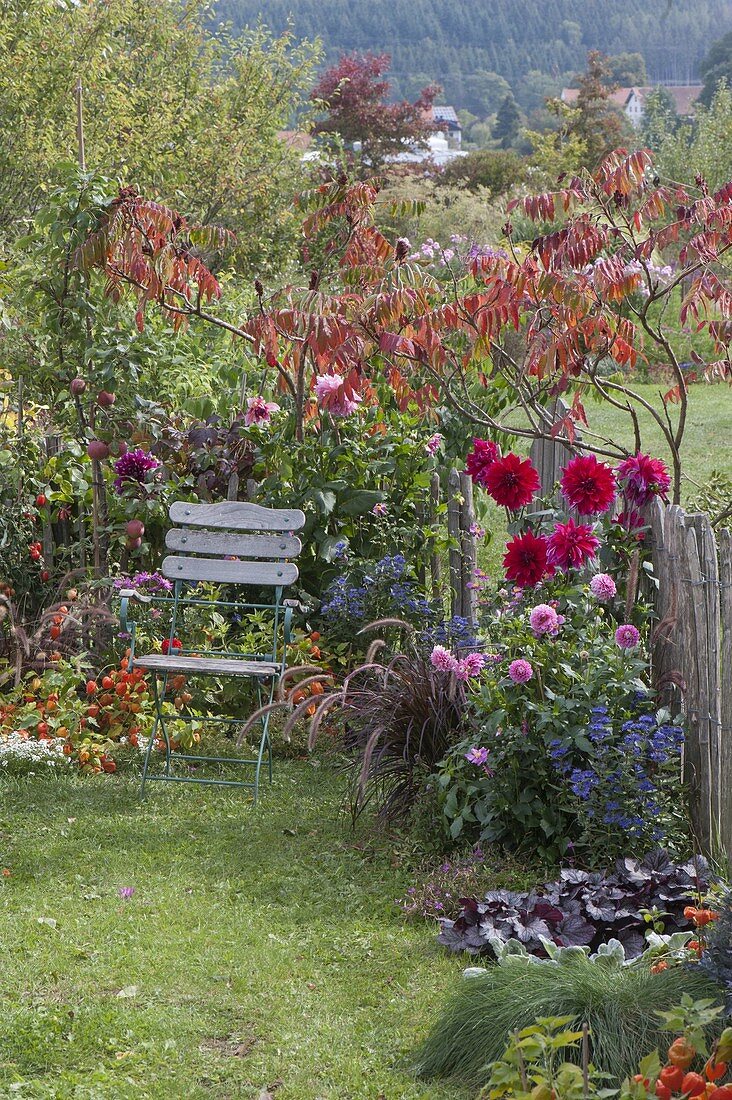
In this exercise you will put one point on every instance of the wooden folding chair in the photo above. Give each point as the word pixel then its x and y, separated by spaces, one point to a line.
pixel 229 544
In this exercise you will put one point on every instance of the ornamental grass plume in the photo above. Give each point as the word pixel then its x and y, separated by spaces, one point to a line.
pixel 512 481
pixel 620 1004
pixel 588 485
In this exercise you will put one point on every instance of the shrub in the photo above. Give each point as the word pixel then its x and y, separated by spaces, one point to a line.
pixel 618 1001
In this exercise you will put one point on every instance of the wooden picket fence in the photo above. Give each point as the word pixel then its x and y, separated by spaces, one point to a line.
pixel 692 658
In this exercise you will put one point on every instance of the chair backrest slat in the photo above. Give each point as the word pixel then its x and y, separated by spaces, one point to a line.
pixel 236 515
pixel 221 571
pixel 272 547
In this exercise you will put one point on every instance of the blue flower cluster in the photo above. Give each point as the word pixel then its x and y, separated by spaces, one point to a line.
pixel 621 787
pixel 344 600
pixel 455 634
pixel 380 589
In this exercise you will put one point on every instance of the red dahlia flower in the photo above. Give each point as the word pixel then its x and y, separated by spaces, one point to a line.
pixel 512 481
pixel 571 545
pixel 588 485
pixel 525 560
pixel 642 478
pixel 483 455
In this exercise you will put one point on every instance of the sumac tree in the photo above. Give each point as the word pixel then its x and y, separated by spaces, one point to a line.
pixel 572 313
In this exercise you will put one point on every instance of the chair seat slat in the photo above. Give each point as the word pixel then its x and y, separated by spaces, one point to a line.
pixel 221 571
pixel 206 666
pixel 236 515
pixel 186 541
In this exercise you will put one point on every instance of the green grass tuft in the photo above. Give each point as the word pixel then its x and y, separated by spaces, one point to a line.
pixel 619 1004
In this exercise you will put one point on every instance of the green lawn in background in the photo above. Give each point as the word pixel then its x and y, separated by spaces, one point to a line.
pixel 260 947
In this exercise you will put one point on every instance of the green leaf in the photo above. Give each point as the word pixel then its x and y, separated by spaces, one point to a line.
pixel 360 501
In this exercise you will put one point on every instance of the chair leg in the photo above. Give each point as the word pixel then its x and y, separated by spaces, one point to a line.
pixel 158 722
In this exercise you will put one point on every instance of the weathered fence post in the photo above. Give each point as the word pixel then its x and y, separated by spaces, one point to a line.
pixel 469 554
pixel 435 563
pixel 453 530
pixel 725 702
pixel 550 455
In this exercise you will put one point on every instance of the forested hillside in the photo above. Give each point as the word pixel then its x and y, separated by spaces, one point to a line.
pixel 459 42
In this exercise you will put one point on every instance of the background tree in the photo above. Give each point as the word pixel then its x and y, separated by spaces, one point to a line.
pixel 170 107
pixel 354 95
pixel 598 124
pixel 704 148
pixel 508 118
pixel 660 119
pixel 716 66
pixel 484 92
pixel 494 170
pixel 627 69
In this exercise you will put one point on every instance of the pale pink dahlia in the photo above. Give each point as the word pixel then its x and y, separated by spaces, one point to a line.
pixel 544 619
pixel 520 671
pixel 259 411
pixel 603 587
pixel 334 397
pixel 443 660
pixel 469 666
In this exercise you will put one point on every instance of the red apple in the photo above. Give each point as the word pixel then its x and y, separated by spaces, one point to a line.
pixel 133 544
pixel 135 528
pixel 41 500
pixel 97 450
pixel 105 399
pixel 78 385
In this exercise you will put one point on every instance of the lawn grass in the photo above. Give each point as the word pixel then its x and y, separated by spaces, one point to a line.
pixel 260 952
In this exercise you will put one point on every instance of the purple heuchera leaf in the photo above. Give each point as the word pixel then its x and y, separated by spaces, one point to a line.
pixel 581 908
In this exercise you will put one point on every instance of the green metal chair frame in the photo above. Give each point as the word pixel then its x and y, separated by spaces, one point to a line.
pixel 233 543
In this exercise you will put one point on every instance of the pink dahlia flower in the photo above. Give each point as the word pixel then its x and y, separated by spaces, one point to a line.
pixel 259 411
pixel 627 636
pixel 642 478
pixel 520 671
pixel 571 545
pixel 484 454
pixel 603 587
pixel 443 660
pixel 334 397
pixel 470 666
pixel 544 619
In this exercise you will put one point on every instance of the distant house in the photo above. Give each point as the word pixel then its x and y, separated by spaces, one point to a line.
pixel 631 101
pixel 447 119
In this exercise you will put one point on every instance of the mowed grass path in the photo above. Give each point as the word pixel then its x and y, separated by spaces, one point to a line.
pixel 261 951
